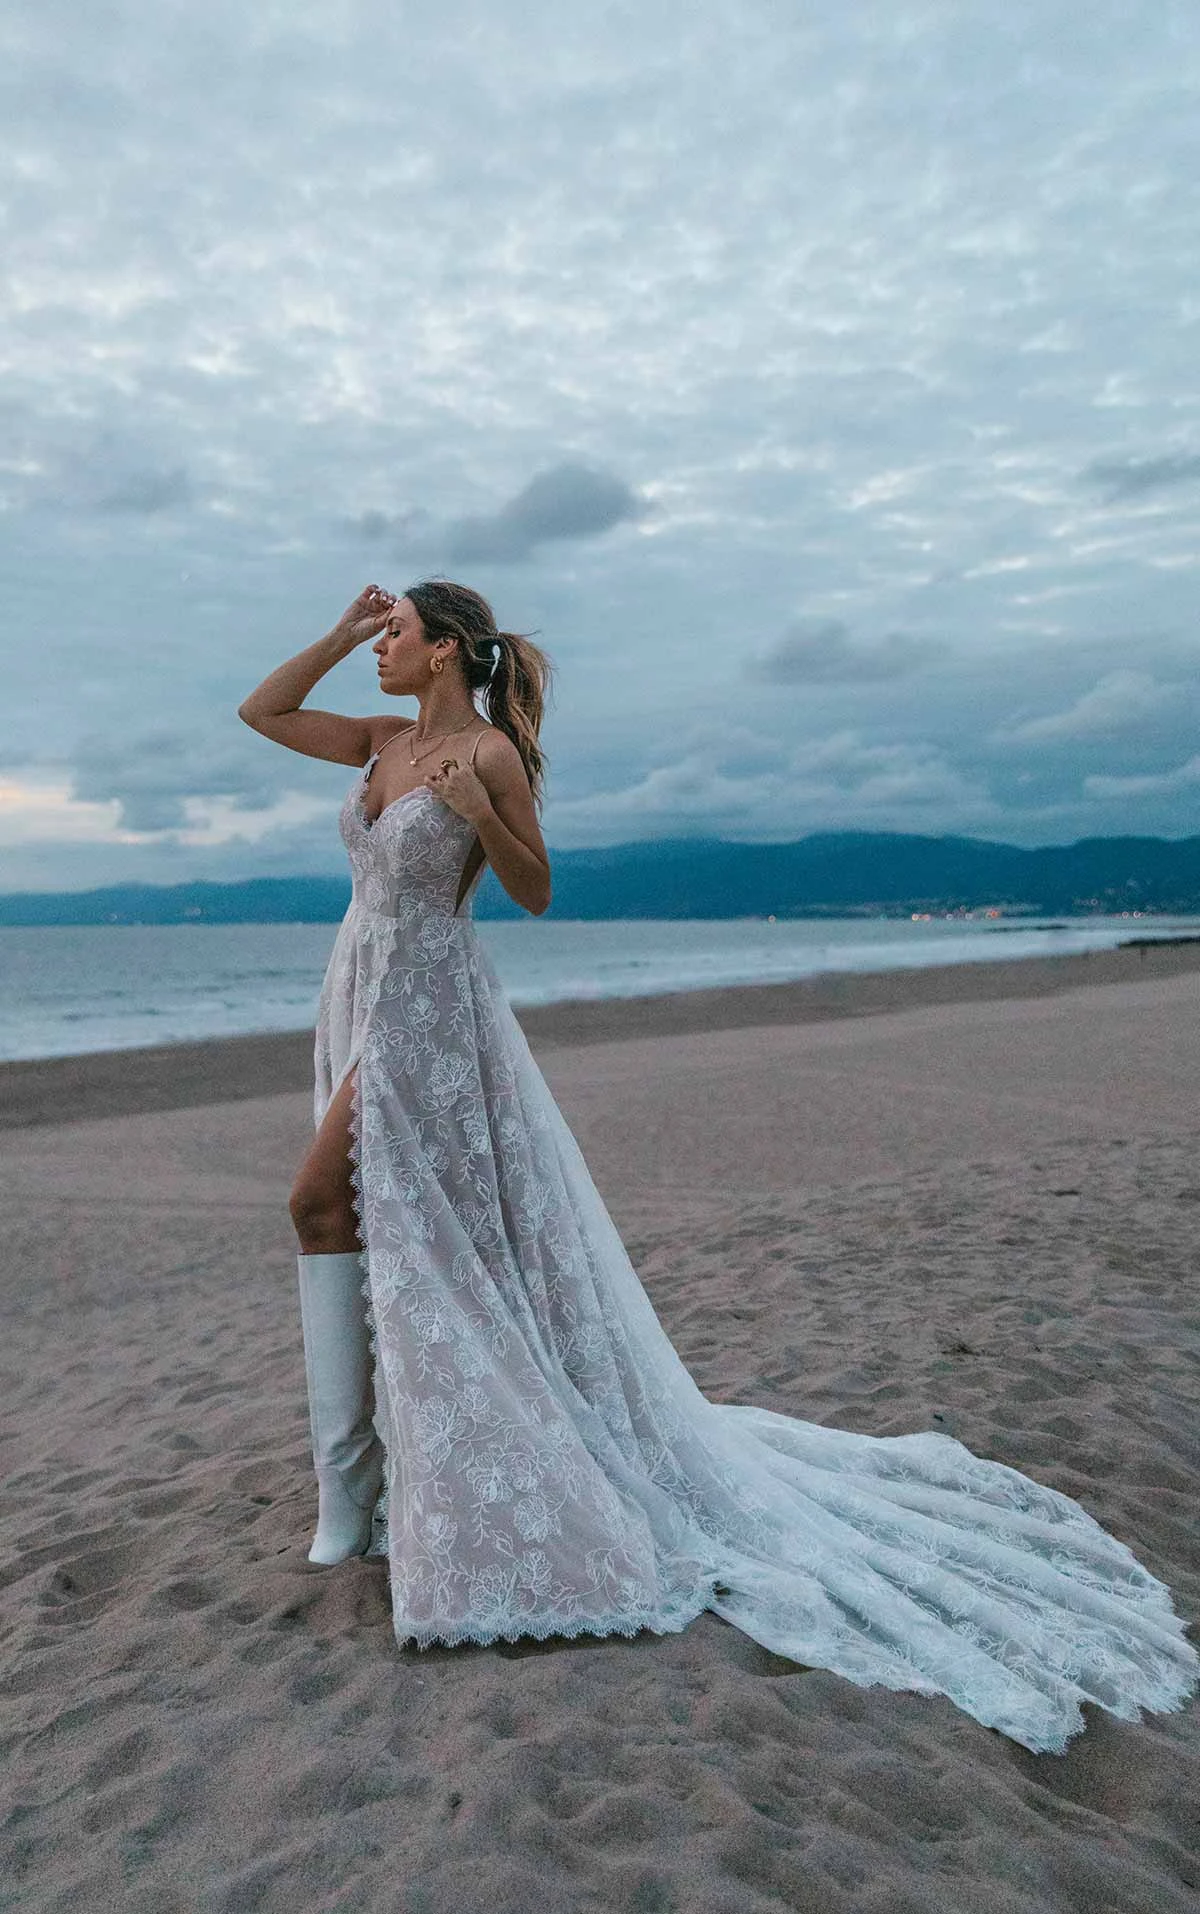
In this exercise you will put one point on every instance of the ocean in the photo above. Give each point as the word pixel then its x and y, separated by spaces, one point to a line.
pixel 72 989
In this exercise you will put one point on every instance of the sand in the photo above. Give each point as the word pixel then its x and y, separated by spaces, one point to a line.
pixel 973 1209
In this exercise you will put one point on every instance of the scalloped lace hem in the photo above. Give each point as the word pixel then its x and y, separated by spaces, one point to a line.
pixel 1044 1727
pixel 669 1620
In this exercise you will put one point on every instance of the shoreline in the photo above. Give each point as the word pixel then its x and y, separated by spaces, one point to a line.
pixel 191 1074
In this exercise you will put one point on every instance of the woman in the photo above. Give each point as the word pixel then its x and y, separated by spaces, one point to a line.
pixel 498 1392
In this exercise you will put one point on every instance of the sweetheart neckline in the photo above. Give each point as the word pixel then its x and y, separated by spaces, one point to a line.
pixel 371 822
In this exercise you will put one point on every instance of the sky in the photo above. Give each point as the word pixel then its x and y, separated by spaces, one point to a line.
pixel 818 385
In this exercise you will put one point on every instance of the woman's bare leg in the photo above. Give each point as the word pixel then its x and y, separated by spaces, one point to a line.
pixel 321 1202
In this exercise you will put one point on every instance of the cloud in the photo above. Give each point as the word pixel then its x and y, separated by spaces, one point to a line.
pixel 63 465
pixel 394 527
pixel 145 492
pixel 869 308
pixel 840 782
pixel 1146 784
pixel 153 775
pixel 568 501
pixel 819 651
pixel 848 765
pixel 1133 478
pixel 1121 703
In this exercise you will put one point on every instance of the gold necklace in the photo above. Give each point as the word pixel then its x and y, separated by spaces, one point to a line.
pixel 442 734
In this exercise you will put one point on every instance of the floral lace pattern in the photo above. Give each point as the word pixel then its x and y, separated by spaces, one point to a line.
pixel 551 1466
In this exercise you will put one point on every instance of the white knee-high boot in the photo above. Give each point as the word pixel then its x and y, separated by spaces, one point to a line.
pixel 347 1452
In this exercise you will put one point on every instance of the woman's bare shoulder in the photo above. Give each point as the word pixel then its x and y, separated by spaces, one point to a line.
pixel 385 726
pixel 497 746
pixel 498 762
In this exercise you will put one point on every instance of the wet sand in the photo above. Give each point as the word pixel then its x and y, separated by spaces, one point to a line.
pixel 177 1076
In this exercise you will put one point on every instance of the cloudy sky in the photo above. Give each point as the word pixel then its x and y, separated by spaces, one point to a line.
pixel 820 384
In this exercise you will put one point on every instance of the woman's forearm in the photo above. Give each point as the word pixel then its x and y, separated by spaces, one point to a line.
pixel 288 687
pixel 523 874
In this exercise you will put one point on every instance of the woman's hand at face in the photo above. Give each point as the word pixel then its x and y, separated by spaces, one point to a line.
pixel 368 615
pixel 462 790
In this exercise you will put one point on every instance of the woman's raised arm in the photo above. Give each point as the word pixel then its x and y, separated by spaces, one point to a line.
pixel 273 708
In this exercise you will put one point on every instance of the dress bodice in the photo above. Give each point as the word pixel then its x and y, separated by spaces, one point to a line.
pixel 408 862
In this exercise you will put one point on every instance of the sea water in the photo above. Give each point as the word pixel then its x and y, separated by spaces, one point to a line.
pixel 70 989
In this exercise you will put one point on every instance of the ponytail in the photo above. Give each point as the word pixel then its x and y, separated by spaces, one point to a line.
pixel 515 697
pixel 513 673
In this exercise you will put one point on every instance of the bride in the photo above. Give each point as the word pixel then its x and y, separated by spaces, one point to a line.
pixel 495 1406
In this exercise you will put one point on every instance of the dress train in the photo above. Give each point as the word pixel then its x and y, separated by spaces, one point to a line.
pixel 551 1466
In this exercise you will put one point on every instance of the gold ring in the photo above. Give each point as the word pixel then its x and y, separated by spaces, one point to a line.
pixel 449 764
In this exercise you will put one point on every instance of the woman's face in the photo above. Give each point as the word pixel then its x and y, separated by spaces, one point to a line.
pixel 402 651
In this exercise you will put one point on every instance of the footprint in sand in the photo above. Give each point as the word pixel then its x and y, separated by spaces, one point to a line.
pixel 179 1597
pixel 80 1586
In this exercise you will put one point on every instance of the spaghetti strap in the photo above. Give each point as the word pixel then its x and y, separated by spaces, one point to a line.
pixel 402 733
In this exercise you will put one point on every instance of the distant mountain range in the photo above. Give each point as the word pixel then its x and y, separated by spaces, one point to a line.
pixel 840 873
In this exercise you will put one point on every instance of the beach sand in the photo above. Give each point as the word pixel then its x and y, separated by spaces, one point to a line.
pixel 965 1200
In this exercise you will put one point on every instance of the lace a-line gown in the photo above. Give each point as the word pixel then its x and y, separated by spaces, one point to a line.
pixel 551 1466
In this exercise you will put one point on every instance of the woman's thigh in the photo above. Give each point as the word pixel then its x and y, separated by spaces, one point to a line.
pixel 322 1186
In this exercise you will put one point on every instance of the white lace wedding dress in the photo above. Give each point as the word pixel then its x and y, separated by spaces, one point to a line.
pixel 552 1468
